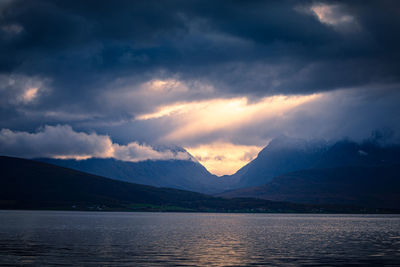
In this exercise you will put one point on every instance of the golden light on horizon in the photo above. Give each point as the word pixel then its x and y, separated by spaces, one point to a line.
pixel 221 158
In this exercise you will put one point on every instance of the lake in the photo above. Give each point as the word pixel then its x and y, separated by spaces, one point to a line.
pixel 50 238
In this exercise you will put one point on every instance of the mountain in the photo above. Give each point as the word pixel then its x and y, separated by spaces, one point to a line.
pixel 344 172
pixel 284 155
pixel 368 186
pixel 27 184
pixel 179 174
pixel 348 153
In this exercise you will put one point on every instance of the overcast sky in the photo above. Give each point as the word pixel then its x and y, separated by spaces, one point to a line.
pixel 132 79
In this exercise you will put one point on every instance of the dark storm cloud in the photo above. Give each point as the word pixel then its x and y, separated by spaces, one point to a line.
pixel 90 59
pixel 83 43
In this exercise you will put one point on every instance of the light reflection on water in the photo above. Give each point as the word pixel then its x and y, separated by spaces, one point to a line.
pixel 196 239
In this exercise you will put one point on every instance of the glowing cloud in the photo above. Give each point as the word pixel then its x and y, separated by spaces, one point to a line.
pixel 333 15
pixel 165 86
pixel 30 94
pixel 195 119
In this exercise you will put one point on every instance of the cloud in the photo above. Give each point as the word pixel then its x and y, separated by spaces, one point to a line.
pixel 334 15
pixel 62 141
pixel 353 114
pixel 136 152
pixel 198 72
pixel 12 29
pixel 223 134
pixel 197 120
pixel 334 115
pixel 21 89
pixel 54 141
pixel 240 48
pixel 29 95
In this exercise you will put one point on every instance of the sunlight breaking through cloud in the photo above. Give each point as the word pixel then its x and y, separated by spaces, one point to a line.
pixel 215 117
pixel 241 72
pixel 204 117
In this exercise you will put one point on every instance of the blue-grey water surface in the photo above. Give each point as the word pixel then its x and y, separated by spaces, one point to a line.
pixel 50 238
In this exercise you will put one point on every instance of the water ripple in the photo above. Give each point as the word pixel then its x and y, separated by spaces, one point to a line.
pixel 48 238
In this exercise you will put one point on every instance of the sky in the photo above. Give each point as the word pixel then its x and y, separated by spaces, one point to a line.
pixel 139 80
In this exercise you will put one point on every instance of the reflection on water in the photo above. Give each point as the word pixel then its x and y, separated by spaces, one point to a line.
pixel 51 238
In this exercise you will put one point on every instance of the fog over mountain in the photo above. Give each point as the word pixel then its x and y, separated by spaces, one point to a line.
pixel 343 172
pixel 287 169
pixel 285 155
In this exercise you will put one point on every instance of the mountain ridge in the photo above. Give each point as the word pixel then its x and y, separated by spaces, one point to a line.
pixel 285 155
pixel 373 186
pixel 178 174
pixel 282 155
pixel 28 184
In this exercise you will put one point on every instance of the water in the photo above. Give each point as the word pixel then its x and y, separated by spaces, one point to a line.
pixel 49 238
